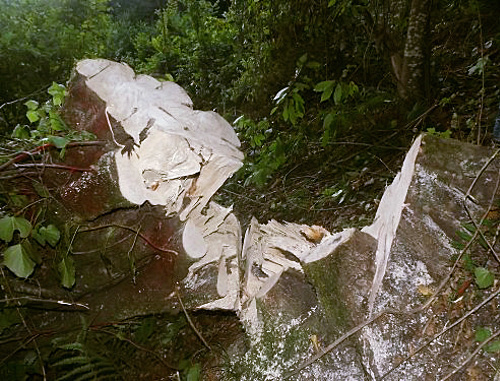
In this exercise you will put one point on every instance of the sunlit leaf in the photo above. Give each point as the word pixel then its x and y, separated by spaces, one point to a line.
pixel 280 95
pixel 31 105
pixel 32 116
pixel 18 260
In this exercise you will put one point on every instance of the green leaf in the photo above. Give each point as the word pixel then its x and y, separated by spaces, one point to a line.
pixel 6 229
pixel 52 235
pixel 58 141
pixel 22 225
pixel 48 234
pixel 484 278
pixel 482 334
pixel 493 347
pixel 17 260
pixel 327 122
pixel 31 105
pixel 67 272
pixel 32 116
pixel 193 373
pixel 299 104
pixel 21 132
pixel 9 224
pixel 326 87
pixel 337 96
pixel 469 226
pixel 58 93
pixel 464 235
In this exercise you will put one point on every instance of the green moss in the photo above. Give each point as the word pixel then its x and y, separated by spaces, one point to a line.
pixel 324 277
pixel 280 347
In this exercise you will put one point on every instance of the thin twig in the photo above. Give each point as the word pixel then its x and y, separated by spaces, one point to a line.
pixel 478 225
pixel 131 342
pixel 23 98
pixel 146 239
pixel 474 310
pixel 189 319
pixel 472 355
pixel 55 166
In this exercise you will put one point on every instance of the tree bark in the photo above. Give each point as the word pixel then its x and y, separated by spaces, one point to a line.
pixel 412 78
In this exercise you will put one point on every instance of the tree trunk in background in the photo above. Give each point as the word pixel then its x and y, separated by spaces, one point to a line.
pixel 411 75
pixel 401 31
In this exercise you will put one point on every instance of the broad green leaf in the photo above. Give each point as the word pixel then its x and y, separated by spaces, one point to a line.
pixel 482 334
pixel 52 235
pixel 286 112
pixel 326 87
pixel 31 104
pixel 37 236
pixel 193 373
pixel 484 278
pixel 327 122
pixel 6 229
pixel 22 225
pixel 67 272
pixel 58 141
pixel 17 260
pixel 21 132
pixel 32 116
pixel 9 224
pixel 337 96
pixel 58 93
pixel 299 104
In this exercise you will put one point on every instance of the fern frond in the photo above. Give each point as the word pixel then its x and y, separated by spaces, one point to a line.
pixel 76 346
pixel 72 375
pixel 72 361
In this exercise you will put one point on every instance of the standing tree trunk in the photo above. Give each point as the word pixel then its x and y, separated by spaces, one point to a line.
pixel 407 47
pixel 412 79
